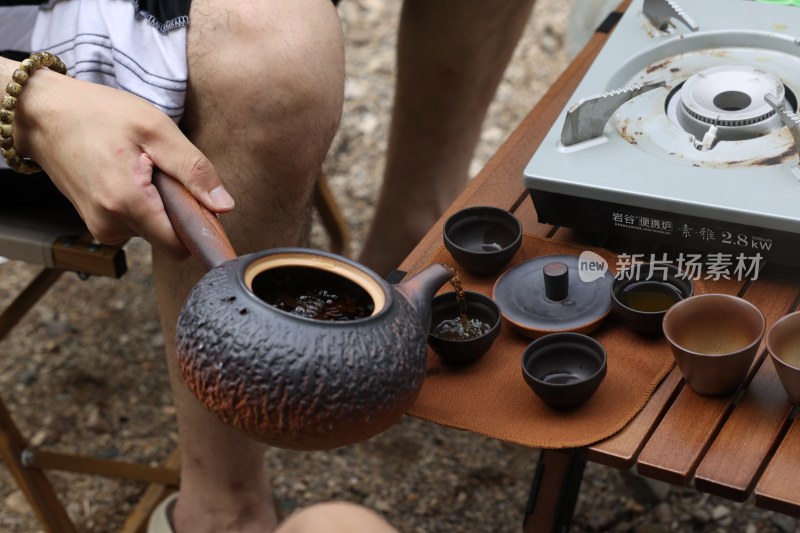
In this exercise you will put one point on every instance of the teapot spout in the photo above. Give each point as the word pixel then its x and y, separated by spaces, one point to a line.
pixel 420 289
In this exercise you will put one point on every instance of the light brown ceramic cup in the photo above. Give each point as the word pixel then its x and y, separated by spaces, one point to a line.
pixel 783 343
pixel 714 338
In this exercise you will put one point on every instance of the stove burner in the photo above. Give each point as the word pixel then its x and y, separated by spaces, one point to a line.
pixel 707 159
pixel 731 99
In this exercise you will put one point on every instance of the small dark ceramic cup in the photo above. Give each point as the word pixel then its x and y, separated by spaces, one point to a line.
pixel 714 338
pixel 564 369
pixel 783 343
pixel 482 239
pixel 642 294
pixel 458 351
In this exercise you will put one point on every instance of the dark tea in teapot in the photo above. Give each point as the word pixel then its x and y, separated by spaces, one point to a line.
pixel 313 293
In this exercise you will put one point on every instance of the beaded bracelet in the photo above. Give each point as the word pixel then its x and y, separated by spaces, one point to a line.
pixel 13 90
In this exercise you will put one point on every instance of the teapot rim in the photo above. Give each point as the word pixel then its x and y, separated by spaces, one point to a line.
pixel 374 285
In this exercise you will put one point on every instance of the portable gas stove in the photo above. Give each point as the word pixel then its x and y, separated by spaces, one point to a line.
pixel 683 132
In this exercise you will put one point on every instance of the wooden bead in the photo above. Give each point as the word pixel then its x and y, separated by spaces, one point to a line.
pixel 28 66
pixel 20 76
pixel 6 130
pixel 13 88
pixel 26 166
pixel 9 153
pixel 6 142
pixel 9 102
pixel 47 58
pixel 6 116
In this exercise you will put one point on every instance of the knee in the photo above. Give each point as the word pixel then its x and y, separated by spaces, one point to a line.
pixel 296 78
pixel 279 72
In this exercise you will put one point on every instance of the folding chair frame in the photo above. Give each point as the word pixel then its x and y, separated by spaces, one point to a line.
pixel 27 464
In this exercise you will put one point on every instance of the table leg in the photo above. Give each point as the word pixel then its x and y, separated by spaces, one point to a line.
pixel 554 491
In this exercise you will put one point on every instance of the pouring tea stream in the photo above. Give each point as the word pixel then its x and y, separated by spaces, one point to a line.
pixel 288 380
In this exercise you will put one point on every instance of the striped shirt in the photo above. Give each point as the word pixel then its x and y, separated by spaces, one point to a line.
pixel 135 45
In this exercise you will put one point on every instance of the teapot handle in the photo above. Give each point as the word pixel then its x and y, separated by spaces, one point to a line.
pixel 198 228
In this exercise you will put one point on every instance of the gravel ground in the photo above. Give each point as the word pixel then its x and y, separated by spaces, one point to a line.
pixel 84 372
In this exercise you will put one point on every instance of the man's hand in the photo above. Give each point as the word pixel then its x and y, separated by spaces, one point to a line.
pixel 100 145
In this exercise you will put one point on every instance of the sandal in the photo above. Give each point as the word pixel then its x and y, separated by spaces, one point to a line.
pixel 161 518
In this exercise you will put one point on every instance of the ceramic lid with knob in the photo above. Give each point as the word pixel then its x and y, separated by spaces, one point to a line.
pixel 548 294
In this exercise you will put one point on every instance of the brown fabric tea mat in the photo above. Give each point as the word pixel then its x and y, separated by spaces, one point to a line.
pixel 491 397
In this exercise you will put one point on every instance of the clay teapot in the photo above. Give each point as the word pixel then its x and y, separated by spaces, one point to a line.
pixel 295 380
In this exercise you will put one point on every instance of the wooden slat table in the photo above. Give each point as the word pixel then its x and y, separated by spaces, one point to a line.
pixel 742 446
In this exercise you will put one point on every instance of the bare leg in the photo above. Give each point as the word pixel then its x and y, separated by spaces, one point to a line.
pixel 264 101
pixel 451 57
